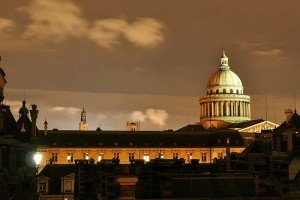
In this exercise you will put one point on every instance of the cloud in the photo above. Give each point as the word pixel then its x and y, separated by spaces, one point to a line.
pixel 66 110
pixel 157 116
pixel 14 105
pixel 143 32
pixel 101 116
pixel 54 20
pixel 271 52
pixel 106 32
pixel 6 24
pixel 138 116
pixel 58 20
pixel 248 45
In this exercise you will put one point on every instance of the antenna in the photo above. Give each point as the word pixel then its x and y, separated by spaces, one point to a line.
pixel 266 105
pixel 295 102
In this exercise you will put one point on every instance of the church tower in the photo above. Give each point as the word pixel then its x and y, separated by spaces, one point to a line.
pixel 224 102
pixel 83 125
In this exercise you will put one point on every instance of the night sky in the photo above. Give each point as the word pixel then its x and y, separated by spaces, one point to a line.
pixel 145 60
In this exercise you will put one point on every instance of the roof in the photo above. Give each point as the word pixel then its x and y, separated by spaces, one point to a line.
pixel 224 78
pixel 294 122
pixel 191 128
pixel 144 139
pixel 10 125
pixel 55 173
pixel 245 124
pixel 259 145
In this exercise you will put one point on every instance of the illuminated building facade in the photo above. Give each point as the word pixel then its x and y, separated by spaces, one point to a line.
pixel 64 147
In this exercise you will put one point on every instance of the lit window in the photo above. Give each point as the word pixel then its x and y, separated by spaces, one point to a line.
pixel 146 157
pixel 100 156
pixel 189 157
pixel 203 157
pixel 70 157
pixel 161 155
pixel 86 156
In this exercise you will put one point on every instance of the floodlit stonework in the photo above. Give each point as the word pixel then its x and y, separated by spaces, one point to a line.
pixel 224 102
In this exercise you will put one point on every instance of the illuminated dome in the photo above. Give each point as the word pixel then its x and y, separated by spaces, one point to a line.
pixel 224 80
pixel 224 102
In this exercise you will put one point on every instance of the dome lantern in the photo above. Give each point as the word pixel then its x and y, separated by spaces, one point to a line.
pixel 224 61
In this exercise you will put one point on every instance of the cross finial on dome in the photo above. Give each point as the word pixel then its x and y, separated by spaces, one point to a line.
pixel 224 61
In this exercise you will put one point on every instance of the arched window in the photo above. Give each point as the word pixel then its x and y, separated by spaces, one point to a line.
pixel 224 91
pixel 217 91
pixel 231 91
pixel 237 91
pixel 211 92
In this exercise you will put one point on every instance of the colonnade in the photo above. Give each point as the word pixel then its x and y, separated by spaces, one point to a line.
pixel 225 108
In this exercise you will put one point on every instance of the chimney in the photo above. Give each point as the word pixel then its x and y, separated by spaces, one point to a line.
pixel 45 127
pixel 288 115
pixel 228 155
pixel 34 114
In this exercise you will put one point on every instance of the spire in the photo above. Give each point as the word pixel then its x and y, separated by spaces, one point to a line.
pixel 83 125
pixel 224 61
pixel 23 110
pixel 83 115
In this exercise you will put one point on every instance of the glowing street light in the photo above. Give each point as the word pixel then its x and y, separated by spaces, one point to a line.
pixel 37 158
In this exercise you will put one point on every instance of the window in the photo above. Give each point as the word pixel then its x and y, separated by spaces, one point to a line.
pixel 116 155
pixel 217 91
pixel 70 157
pixel 68 186
pixel 86 156
pixel 42 187
pixel 161 155
pixel 220 155
pixel 146 157
pixel 203 157
pixel 54 157
pixel 175 155
pixel 231 91
pixel 131 156
pixel 189 157
pixel 100 156
pixel 237 91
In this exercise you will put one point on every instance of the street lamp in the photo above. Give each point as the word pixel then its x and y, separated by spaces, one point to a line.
pixel 37 158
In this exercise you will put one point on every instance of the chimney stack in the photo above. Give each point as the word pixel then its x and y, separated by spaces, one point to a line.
pixel 45 127
pixel 288 114
pixel 227 159
pixel 34 115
